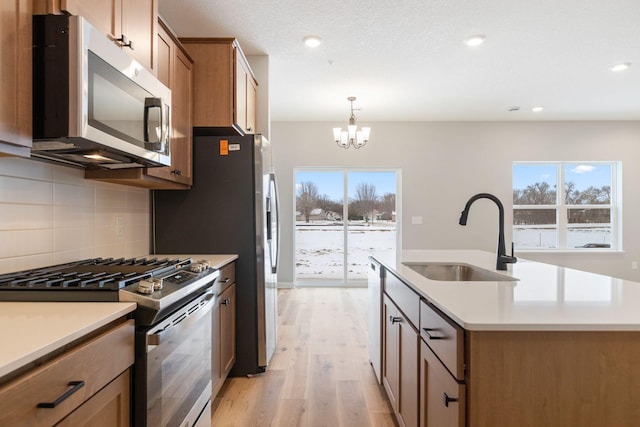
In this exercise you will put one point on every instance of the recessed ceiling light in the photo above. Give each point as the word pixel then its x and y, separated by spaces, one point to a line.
pixel 537 109
pixel 621 67
pixel 312 41
pixel 476 40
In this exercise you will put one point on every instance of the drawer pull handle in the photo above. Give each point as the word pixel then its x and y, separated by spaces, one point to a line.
pixel 432 337
pixel 394 319
pixel 226 301
pixel 226 280
pixel 77 385
pixel 448 399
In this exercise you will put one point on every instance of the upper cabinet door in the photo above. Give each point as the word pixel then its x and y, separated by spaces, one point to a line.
pixel 131 21
pixel 139 26
pixel 225 99
pixel 103 14
pixel 15 77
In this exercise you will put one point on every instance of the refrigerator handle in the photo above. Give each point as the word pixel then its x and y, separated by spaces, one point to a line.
pixel 269 218
pixel 274 261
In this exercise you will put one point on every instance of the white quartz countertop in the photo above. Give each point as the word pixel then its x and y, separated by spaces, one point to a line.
pixel 30 330
pixel 545 297
pixel 216 260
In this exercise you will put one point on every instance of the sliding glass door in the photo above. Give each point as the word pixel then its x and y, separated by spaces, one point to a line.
pixel 341 216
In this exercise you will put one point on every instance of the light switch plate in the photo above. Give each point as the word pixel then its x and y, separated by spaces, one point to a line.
pixel 416 220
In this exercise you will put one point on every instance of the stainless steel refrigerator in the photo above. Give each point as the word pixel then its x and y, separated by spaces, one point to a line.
pixel 232 207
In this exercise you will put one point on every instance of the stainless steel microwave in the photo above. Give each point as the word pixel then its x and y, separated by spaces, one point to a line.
pixel 93 105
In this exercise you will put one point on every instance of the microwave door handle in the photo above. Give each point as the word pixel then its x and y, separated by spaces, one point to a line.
pixel 150 103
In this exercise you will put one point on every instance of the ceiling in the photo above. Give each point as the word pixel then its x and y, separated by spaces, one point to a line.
pixel 405 60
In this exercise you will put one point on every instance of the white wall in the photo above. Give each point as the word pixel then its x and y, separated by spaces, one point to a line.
pixel 444 163
pixel 50 214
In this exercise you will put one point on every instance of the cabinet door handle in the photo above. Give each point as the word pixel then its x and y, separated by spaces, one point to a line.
pixel 176 172
pixel 432 337
pixel 76 385
pixel 394 319
pixel 448 399
pixel 124 43
pixel 249 129
pixel 225 280
pixel 226 301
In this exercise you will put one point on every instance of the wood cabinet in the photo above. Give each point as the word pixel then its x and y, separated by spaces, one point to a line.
pixel 225 102
pixel 223 327
pixel 175 70
pixel 58 389
pixel 442 398
pixel 400 363
pixel 132 24
pixel 15 75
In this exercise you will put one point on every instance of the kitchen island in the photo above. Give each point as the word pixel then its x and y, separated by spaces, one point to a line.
pixel 544 346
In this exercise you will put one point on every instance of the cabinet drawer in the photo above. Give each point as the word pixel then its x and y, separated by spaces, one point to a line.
pixel 444 337
pixel 405 298
pixel 227 276
pixel 95 362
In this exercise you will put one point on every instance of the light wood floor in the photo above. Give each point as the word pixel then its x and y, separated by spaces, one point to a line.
pixel 320 374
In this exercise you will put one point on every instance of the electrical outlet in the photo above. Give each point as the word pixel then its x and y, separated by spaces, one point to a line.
pixel 634 265
pixel 416 220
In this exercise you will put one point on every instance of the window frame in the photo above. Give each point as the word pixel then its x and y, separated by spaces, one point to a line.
pixel 562 208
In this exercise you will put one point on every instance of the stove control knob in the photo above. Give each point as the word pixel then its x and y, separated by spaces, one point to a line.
pixel 145 287
pixel 199 266
pixel 149 286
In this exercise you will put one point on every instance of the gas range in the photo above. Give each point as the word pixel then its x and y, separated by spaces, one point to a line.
pixel 156 285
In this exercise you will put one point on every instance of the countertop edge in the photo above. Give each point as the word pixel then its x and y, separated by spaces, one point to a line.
pixel 620 325
pixel 123 308
pixel 216 260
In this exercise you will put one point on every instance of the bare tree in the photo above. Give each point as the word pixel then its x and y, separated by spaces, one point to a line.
pixel 540 193
pixel 331 208
pixel 387 206
pixel 365 200
pixel 307 198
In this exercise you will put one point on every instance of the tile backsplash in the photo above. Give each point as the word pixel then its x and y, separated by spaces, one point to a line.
pixel 50 214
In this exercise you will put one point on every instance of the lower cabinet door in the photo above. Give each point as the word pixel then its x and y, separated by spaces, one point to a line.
pixel 442 398
pixel 408 353
pixel 107 408
pixel 227 329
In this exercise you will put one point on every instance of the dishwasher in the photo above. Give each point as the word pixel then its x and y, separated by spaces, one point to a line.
pixel 375 284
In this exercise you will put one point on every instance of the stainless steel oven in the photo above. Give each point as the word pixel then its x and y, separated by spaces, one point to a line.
pixel 173 368
pixel 172 371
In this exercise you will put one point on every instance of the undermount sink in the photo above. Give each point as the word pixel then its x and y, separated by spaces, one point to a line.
pixel 450 272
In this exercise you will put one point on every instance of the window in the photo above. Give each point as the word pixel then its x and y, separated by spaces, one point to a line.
pixel 565 205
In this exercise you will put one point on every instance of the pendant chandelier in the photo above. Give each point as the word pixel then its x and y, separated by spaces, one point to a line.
pixel 352 136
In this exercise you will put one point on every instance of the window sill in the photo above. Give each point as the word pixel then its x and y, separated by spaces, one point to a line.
pixel 570 251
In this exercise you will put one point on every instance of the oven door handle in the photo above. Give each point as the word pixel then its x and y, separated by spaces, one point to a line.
pixel 181 320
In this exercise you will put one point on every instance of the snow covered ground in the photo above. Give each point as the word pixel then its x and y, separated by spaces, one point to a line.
pixel 320 249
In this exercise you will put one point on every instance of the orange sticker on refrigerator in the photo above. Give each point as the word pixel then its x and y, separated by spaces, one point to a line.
pixel 224 147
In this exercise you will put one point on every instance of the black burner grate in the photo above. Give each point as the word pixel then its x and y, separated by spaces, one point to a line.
pixel 109 274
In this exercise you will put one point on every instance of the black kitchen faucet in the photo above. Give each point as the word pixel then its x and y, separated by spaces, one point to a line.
pixel 502 259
